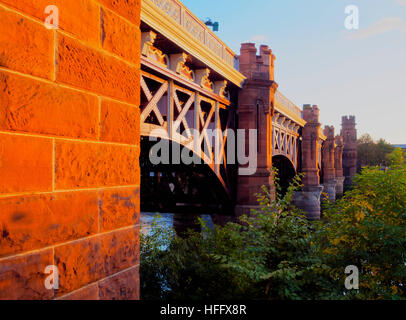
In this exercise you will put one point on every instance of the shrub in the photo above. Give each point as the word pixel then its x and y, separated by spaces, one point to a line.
pixel 367 228
pixel 267 256
pixel 276 253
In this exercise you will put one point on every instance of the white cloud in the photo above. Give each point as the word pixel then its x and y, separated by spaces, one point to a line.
pixel 401 2
pixel 382 26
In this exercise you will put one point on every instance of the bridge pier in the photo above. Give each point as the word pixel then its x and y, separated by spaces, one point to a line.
pixel 329 178
pixel 309 198
pixel 309 201
pixel 349 134
pixel 329 188
pixel 255 109
pixel 248 186
pixel 340 186
pixel 338 165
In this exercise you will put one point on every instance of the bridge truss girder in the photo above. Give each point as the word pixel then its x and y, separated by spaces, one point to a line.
pixel 183 115
pixel 285 138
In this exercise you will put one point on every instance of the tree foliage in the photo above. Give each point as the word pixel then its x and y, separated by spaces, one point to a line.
pixel 276 253
pixel 371 153
pixel 397 157
pixel 367 228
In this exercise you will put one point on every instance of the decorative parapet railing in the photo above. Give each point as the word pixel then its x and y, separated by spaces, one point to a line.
pixel 288 108
pixel 196 28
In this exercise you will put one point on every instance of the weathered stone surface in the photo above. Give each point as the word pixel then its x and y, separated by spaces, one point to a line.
pixel 33 106
pixel 308 200
pixel 329 177
pixel 27 46
pixel 63 227
pixel 80 263
pixel 25 164
pixel 129 9
pixel 23 277
pixel 328 155
pixel 349 134
pixel 90 292
pixel 311 146
pixel 119 122
pixel 80 17
pixel 120 37
pixel 254 104
pixel 37 221
pixel 340 186
pixel 85 261
pixel 330 189
pixel 124 286
pixel 338 164
pixel 90 69
pixel 119 208
pixel 86 165
pixel 120 250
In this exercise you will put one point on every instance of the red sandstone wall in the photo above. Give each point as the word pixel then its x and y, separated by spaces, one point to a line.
pixel 69 149
pixel 255 104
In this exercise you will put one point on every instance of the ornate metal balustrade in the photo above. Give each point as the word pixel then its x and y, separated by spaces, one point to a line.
pixel 288 108
pixel 195 27
pixel 178 24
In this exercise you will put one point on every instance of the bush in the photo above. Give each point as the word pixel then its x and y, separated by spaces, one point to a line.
pixel 367 228
pixel 276 253
pixel 397 157
pixel 269 255
pixel 191 267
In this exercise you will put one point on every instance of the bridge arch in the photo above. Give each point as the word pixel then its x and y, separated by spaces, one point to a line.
pixel 195 120
pixel 286 170
pixel 285 138
pixel 178 187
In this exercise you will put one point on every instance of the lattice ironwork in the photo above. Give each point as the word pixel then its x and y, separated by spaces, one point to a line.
pixel 188 118
pixel 285 135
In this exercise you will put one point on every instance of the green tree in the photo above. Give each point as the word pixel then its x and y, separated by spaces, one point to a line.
pixel 397 157
pixel 366 150
pixel 276 253
pixel 268 255
pixel 367 228
pixel 371 153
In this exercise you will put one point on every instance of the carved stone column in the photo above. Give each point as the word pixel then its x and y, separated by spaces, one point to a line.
pixel 329 176
pixel 349 134
pixel 309 198
pixel 338 164
pixel 255 108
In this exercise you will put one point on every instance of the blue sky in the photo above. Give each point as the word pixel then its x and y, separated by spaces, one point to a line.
pixel 361 73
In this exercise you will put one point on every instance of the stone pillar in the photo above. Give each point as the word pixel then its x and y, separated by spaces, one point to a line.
pixel 255 108
pixel 349 134
pixel 338 165
pixel 309 198
pixel 329 175
pixel 69 158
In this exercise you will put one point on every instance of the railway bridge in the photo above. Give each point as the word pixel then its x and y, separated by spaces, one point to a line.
pixel 131 103
pixel 197 93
